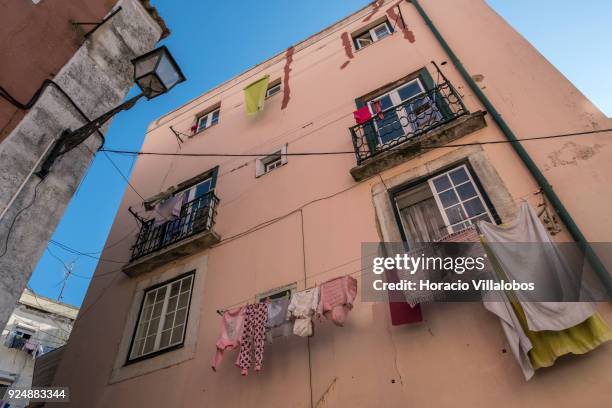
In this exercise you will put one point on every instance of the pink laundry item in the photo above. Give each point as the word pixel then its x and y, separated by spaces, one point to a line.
pixel 232 325
pixel 377 108
pixel 362 115
pixel 336 298
pixel 253 337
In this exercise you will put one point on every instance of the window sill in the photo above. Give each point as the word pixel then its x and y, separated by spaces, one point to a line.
pixel 177 250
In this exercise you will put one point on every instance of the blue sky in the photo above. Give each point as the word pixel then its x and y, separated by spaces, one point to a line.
pixel 213 41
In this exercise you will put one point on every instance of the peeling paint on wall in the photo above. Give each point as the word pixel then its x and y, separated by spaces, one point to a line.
pixel 375 6
pixel 348 49
pixel 478 77
pixel 397 19
pixel 571 153
pixel 287 70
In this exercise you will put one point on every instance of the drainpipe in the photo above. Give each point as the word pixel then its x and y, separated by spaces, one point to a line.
pixel 565 216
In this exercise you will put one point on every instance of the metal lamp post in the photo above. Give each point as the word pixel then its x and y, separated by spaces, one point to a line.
pixel 155 73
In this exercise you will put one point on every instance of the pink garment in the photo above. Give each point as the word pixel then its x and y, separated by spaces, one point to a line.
pixel 468 234
pixel 362 115
pixel 336 298
pixel 232 325
pixel 377 108
pixel 253 336
pixel 170 208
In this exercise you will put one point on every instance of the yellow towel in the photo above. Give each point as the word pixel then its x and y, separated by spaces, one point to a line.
pixel 255 96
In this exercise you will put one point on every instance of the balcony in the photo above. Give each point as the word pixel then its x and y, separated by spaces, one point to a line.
pixel 436 116
pixel 160 243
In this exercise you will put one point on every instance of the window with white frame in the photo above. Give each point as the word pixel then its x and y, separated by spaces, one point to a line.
pixel 163 317
pixel 370 36
pixel 207 120
pixel 273 89
pixel 407 109
pixel 272 161
pixel 443 204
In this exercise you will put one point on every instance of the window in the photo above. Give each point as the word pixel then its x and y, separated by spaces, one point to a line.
pixel 371 35
pixel 207 120
pixel 406 109
pixel 273 88
pixel 267 164
pixel 163 317
pixel 445 203
pixel 3 388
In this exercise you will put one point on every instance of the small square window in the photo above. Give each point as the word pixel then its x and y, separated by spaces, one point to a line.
pixel 273 89
pixel 268 163
pixel 207 120
pixel 371 35
pixel 163 317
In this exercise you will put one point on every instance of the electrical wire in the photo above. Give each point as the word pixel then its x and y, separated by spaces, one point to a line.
pixel 424 146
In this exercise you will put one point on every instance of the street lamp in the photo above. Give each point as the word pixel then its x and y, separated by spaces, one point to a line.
pixel 155 73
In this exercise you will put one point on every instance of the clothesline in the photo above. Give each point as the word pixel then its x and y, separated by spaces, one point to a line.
pixel 226 308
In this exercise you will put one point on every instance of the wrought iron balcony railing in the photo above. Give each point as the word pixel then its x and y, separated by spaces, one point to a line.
pixel 410 118
pixel 196 216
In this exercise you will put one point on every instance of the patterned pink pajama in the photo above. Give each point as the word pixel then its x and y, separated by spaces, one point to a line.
pixel 253 336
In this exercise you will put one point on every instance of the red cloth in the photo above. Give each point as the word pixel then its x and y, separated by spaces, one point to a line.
pixel 362 115
pixel 401 312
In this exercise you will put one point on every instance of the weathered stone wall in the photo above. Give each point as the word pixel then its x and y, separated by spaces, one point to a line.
pixel 96 78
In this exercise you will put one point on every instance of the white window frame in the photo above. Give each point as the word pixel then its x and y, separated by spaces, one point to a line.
pixel 468 220
pixel 205 121
pixel 265 165
pixel 372 32
pixel 273 90
pixel 134 354
pixel 396 100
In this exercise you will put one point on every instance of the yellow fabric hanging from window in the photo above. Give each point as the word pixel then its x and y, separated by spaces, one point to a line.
pixel 255 96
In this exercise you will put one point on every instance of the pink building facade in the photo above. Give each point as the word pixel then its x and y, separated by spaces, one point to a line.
pixel 269 222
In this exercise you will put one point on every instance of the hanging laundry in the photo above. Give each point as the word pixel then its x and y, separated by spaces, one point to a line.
pixel 301 309
pixel 253 336
pixel 362 115
pixel 377 109
pixel 542 264
pixel 278 325
pixel 337 296
pixel 401 311
pixel 548 345
pixel 255 96
pixel 538 332
pixel 170 208
pixel 418 295
pixel 232 325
